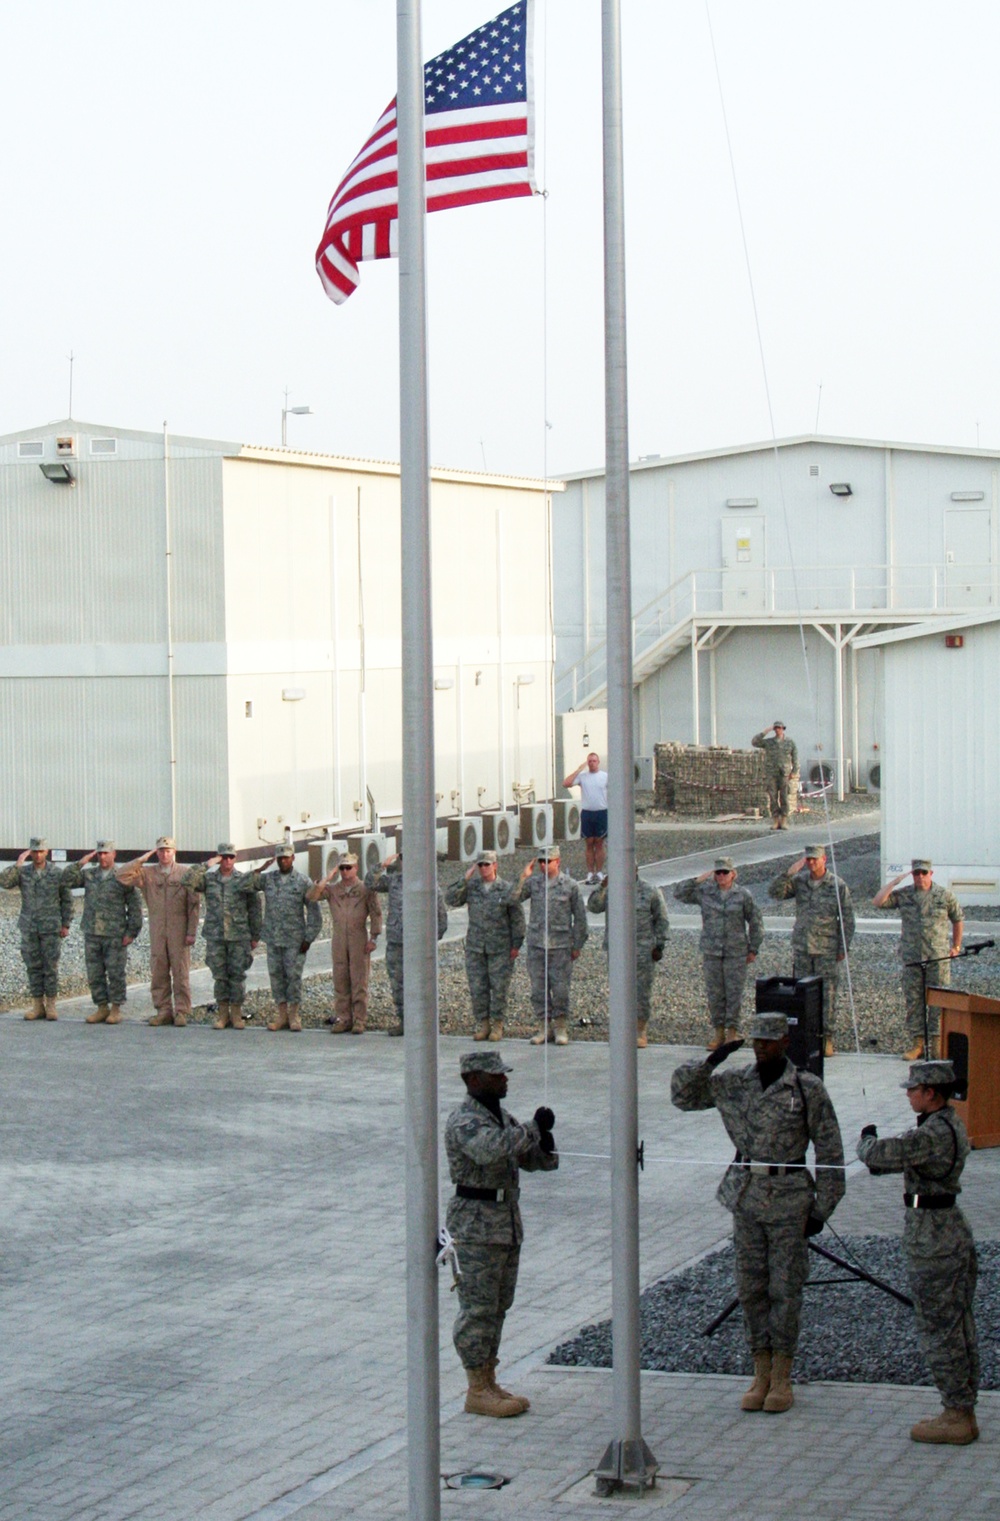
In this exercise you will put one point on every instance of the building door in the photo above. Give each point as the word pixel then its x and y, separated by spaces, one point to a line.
pixel 743 588
pixel 968 575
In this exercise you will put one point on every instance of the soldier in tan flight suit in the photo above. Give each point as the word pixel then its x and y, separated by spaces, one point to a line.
pixel 172 910
pixel 356 920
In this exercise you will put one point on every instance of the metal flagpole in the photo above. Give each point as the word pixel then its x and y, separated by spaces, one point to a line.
pixel 627 1462
pixel 423 1422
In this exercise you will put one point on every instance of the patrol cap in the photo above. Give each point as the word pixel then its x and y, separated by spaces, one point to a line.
pixel 486 858
pixel 765 1026
pixel 350 859
pixel 227 848
pixel 920 863
pixel 548 853
pixel 815 852
pixel 105 845
pixel 930 1075
pixel 779 724
pixel 482 1061
pixel 166 842
pixel 724 863
pixel 38 843
pixel 284 850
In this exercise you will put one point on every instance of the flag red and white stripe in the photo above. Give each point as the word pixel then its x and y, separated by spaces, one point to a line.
pixel 474 152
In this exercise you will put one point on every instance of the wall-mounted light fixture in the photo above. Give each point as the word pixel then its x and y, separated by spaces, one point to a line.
pixel 741 501
pixel 525 678
pixel 443 683
pixel 967 496
pixel 292 694
pixel 841 488
pixel 58 472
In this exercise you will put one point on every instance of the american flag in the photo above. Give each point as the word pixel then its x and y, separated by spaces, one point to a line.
pixel 479 146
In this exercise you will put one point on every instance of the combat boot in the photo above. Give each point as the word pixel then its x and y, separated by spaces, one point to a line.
pixel 732 1033
pixel 519 1399
pixel 496 1029
pixel 640 1033
pixel 916 1054
pixel 547 1032
pixel 115 1016
pixel 294 1019
pixel 37 1010
pixel 341 1027
pixel 50 1007
pixel 779 1396
pixel 757 1393
pixel 718 1039
pixel 483 1399
pixel 562 1033
pixel 165 1017
pixel 223 1016
pixel 828 1047
pixel 236 1016
pixel 99 1015
pixel 280 1021
pixel 953 1427
pixel 358 1026
pixel 180 1020
pixel 482 1030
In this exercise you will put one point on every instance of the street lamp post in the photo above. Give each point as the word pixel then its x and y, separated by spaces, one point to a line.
pixel 287 411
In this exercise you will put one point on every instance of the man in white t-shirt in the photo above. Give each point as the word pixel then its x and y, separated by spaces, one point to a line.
pixel 593 785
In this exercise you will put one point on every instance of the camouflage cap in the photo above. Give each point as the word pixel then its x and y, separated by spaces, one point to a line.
pixel 921 863
pixel 768 1026
pixel 815 852
pixel 166 842
pixel 548 853
pixel 227 848
pixel 350 859
pixel 486 858
pixel 482 1061
pixel 724 863
pixel 930 1075
pixel 105 845
pixel 284 850
pixel 37 842
pixel 779 724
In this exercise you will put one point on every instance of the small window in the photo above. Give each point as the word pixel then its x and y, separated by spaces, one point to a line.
pixel 30 448
pixel 814 470
pixel 104 446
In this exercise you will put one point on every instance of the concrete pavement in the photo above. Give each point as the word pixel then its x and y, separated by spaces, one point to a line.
pixel 202 1283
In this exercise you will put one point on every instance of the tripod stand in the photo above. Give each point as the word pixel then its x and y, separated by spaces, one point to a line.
pixel 857 1274
pixel 973 948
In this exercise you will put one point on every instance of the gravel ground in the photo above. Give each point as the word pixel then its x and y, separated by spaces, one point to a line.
pixel 852 1333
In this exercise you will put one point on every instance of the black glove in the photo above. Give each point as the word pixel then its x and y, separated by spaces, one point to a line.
pixel 303 948
pixel 715 1058
pixel 870 1130
pixel 547 1142
pixel 657 953
pixel 813 1226
pixel 545 1119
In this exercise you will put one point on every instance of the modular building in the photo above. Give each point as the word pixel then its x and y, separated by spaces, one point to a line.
pixel 757 571
pixel 941 739
pixel 203 638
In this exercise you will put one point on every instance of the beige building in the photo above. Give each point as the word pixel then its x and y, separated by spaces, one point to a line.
pixel 204 637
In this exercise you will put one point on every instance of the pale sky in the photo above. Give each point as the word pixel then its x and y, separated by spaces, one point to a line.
pixel 169 168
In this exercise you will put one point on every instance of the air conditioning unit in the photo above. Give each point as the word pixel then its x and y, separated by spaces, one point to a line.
pixel 643 772
pixel 534 825
pixel 499 830
pixel 323 856
pixel 66 446
pixel 370 849
pixel 566 819
pixel 465 839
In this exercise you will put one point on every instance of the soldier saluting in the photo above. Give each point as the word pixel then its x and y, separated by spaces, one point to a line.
pixel 557 933
pixel 651 930
pixel 781 763
pixel 824 926
pixel 732 931
pixel 45 918
pixel 112 917
pixel 290 927
pixel 927 913
pixel 492 942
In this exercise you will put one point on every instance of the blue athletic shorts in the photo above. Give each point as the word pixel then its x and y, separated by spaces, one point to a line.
pixel 594 823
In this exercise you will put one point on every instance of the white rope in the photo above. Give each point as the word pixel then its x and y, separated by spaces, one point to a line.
pixel 600 1156
pixel 448 1254
pixel 811 688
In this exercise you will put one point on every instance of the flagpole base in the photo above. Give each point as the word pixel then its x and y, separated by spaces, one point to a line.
pixel 625 1465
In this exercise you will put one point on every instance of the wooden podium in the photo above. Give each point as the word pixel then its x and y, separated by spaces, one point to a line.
pixel 970 1039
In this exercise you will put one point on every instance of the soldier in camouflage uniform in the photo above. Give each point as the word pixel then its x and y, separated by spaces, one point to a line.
pixel 781 763
pixel 232 931
pixel 557 932
pixel 45 918
pixel 492 942
pixel 940 1252
pixel 651 930
pixel 926 912
pixel 732 930
pixel 291 924
pixel 824 927
pixel 486 1149
pixel 771 1112
pixel 390 880
pixel 112 917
